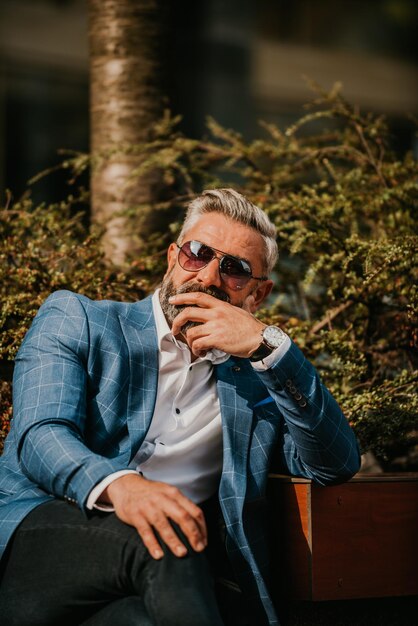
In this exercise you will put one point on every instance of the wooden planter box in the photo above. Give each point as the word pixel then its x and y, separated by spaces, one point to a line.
pixel 356 540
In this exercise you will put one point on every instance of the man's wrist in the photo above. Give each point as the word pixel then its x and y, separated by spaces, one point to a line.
pixel 98 498
pixel 272 337
pixel 120 486
pixel 273 358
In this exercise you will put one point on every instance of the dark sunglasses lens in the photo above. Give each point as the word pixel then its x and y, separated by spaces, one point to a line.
pixel 235 273
pixel 195 255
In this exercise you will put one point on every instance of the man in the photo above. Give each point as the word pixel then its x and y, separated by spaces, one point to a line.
pixel 148 417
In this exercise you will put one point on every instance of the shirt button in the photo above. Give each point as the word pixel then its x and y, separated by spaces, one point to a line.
pixel 190 368
pixel 177 411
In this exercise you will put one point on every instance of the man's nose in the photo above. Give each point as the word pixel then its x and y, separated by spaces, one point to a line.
pixel 209 275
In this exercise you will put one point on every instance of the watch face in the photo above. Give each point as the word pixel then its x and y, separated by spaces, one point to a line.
pixel 273 336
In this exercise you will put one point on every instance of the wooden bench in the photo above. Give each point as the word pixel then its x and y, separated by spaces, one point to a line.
pixel 356 540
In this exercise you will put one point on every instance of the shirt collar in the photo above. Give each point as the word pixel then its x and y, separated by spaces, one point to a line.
pixel 164 334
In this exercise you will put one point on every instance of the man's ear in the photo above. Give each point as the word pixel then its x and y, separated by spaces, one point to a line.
pixel 171 257
pixel 260 294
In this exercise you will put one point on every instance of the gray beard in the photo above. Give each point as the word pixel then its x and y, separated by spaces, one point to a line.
pixel 171 311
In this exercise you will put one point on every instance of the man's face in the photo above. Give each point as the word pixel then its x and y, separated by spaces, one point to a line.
pixel 233 238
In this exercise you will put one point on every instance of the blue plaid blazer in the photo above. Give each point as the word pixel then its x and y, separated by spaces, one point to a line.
pixel 84 391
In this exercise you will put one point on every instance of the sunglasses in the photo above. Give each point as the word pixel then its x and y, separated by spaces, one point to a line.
pixel 235 273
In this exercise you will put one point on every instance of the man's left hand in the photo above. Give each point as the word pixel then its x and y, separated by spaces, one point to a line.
pixel 221 325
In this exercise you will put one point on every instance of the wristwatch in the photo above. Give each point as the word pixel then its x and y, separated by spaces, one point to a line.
pixel 271 338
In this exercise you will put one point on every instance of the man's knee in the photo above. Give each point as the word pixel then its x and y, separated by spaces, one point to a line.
pixel 180 591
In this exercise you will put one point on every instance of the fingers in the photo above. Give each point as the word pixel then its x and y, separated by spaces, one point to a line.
pixel 158 519
pixel 150 505
pixel 189 314
pixel 196 298
pixel 199 309
pixel 193 510
pixel 148 537
pixel 167 534
pixel 200 340
pixel 235 331
pixel 188 516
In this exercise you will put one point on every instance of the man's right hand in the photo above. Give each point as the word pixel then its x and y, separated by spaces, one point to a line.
pixel 149 506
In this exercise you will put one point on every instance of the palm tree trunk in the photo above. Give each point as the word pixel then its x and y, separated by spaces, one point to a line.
pixel 127 41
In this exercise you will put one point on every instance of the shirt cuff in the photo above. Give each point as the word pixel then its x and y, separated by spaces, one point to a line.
pixel 274 357
pixel 96 492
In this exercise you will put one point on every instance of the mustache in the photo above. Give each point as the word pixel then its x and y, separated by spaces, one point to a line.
pixel 214 291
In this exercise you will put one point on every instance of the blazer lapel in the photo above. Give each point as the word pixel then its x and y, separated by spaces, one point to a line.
pixel 139 330
pixel 235 391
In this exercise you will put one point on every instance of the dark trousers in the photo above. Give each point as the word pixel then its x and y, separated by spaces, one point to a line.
pixel 64 569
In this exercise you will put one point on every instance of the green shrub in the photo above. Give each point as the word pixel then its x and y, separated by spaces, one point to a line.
pixel 344 205
pixel 43 249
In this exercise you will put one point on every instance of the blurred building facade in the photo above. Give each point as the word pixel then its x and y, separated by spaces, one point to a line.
pixel 236 60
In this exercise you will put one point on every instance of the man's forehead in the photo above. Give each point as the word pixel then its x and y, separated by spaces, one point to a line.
pixel 215 223
pixel 228 235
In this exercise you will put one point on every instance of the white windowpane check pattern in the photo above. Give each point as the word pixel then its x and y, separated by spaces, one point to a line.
pixel 85 387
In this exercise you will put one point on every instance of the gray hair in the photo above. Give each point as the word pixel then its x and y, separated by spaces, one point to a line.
pixel 232 204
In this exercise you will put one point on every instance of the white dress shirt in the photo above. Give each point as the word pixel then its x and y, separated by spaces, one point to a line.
pixel 183 445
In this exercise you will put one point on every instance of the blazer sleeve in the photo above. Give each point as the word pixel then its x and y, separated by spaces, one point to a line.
pixel 49 387
pixel 317 441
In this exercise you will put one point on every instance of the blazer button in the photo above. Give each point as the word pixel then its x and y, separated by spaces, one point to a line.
pixel 236 368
